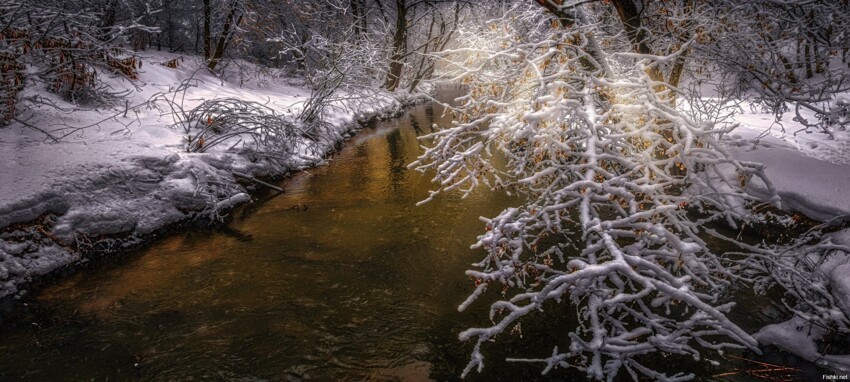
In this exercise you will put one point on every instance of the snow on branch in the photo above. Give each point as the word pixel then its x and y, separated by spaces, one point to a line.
pixel 62 47
pixel 607 164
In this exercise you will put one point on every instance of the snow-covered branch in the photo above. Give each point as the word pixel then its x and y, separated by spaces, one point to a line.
pixel 620 186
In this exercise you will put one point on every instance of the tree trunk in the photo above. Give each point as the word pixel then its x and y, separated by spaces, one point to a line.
pixel 438 40
pixel 632 24
pixel 107 20
pixel 399 45
pixel 197 37
pixel 630 17
pixel 170 25
pixel 359 18
pixel 808 60
pixel 207 33
pixel 810 45
pixel 300 55
pixel 224 36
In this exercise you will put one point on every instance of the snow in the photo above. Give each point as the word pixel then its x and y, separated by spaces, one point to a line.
pixel 798 336
pixel 131 174
pixel 841 286
pixel 811 172
pixel 839 271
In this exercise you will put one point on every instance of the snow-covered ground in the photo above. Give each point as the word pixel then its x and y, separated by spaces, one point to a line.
pixel 131 174
pixel 811 173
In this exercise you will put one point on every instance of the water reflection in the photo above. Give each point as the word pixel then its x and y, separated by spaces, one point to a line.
pixel 398 164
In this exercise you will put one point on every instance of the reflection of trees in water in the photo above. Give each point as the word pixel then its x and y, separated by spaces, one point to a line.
pixel 360 151
pixel 398 162
pixel 429 118
pixel 418 119
pixel 415 124
pixel 360 168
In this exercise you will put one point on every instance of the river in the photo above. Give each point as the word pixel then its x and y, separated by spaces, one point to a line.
pixel 341 277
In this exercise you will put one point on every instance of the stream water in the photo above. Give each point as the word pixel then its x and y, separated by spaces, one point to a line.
pixel 341 277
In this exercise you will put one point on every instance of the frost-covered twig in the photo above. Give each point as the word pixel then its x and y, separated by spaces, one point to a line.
pixel 221 119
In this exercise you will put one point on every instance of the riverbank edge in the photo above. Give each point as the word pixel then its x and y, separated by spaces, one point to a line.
pixel 117 245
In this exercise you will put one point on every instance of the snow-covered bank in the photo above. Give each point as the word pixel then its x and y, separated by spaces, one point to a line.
pixel 130 175
pixel 811 174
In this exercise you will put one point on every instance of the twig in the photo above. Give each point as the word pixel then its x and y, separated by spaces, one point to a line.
pixel 257 181
pixel 47 133
pixel 763 363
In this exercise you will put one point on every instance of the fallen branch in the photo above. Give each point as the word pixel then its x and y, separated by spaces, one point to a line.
pixel 257 181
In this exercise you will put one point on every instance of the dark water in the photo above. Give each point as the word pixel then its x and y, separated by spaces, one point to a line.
pixel 340 278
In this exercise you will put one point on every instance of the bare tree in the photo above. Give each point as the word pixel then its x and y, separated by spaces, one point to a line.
pixel 235 13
